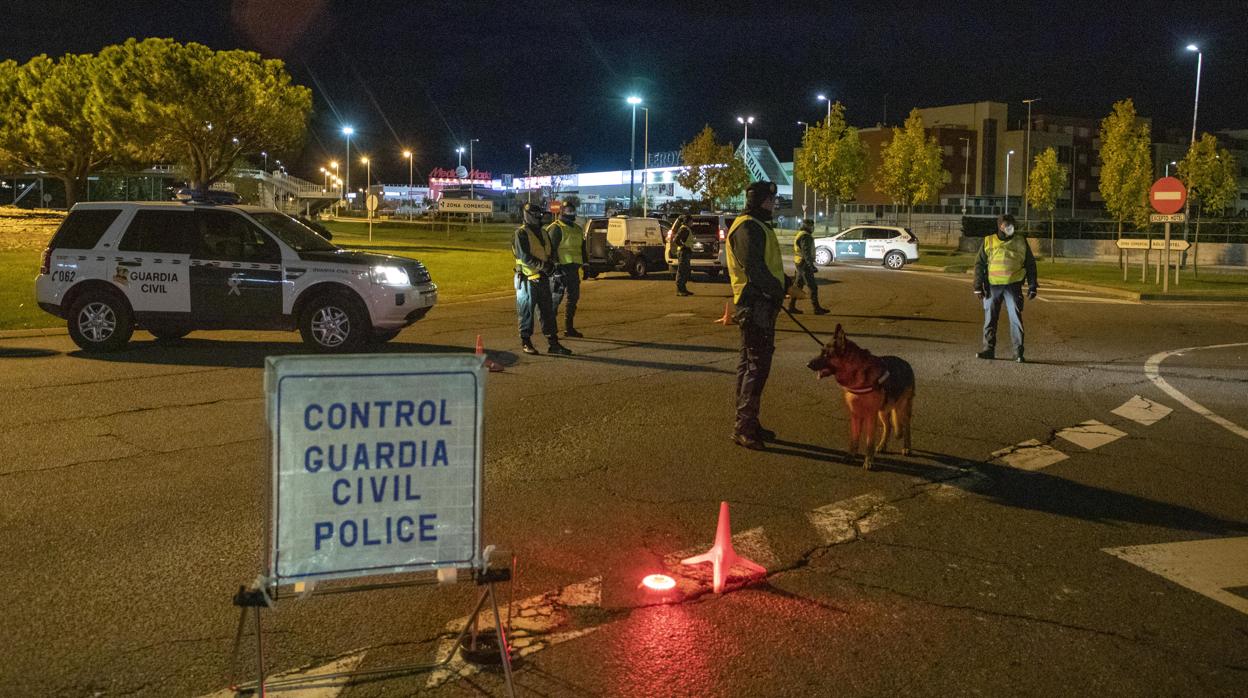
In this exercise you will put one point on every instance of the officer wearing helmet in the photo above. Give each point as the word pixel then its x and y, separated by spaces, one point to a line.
pixel 756 273
pixel 681 245
pixel 567 239
pixel 535 262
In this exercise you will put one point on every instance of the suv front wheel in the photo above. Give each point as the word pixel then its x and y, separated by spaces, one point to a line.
pixel 100 321
pixel 335 322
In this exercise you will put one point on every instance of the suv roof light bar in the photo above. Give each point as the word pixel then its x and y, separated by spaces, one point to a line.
pixel 211 196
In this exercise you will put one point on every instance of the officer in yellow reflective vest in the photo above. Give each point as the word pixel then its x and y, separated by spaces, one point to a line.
pixel 534 264
pixel 567 239
pixel 756 273
pixel 1004 261
pixel 681 247
pixel 804 265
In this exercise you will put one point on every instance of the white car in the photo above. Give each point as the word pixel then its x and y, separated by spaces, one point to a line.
pixel 174 267
pixel 892 245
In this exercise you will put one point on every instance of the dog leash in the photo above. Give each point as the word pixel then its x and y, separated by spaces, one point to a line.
pixel 818 341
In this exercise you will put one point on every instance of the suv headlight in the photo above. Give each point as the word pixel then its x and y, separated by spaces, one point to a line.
pixel 390 276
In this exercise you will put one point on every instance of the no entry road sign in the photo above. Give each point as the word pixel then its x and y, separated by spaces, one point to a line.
pixel 1167 195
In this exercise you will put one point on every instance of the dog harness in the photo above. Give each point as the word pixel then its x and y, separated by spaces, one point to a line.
pixel 879 383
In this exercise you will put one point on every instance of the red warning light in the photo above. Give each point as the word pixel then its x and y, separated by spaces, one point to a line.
pixel 658 582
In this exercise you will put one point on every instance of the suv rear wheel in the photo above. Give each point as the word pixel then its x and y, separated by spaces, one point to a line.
pixel 100 321
pixel 334 322
pixel 894 260
pixel 637 268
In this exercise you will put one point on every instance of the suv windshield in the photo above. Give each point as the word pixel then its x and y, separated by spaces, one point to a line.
pixel 298 236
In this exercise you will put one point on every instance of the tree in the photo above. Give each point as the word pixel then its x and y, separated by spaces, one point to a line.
pixel 712 170
pixel 559 168
pixel 1048 179
pixel 196 107
pixel 1126 166
pixel 833 159
pixel 1209 173
pixel 45 124
pixel 912 171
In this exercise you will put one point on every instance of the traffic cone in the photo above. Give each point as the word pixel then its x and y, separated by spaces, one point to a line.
pixel 491 364
pixel 721 555
pixel 727 319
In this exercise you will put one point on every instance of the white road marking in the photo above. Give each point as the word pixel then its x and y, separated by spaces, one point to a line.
pixel 1207 567
pixel 1107 301
pixel 1029 455
pixel 1142 411
pixel 1152 370
pixel 1091 434
pixel 311 688
pixel 532 619
pixel 847 519
pixel 679 315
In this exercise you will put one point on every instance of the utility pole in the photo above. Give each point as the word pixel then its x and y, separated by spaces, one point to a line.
pixel 632 153
pixel 645 167
pixel 1027 159
pixel 966 170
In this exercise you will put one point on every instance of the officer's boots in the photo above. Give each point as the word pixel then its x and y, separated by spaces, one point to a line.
pixel 557 348
pixel 820 310
pixel 793 307
pixel 572 332
pixel 527 345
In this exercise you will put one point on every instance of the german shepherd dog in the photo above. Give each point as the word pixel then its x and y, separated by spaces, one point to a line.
pixel 877 389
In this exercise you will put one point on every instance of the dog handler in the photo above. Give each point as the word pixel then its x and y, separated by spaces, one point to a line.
pixel 1004 260
pixel 567 239
pixel 534 264
pixel 756 273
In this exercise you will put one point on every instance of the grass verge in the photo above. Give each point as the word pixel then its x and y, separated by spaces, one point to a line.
pixel 18 310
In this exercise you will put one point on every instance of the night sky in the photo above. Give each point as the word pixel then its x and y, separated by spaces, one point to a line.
pixel 431 75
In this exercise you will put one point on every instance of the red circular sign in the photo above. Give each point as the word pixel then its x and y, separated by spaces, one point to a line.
pixel 1167 195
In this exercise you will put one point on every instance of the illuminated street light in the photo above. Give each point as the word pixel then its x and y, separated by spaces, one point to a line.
pixel 632 154
pixel 746 120
pixel 408 154
pixel 1170 164
pixel 347 131
pixel 1007 180
pixel 529 177
pixel 460 152
pixel 824 98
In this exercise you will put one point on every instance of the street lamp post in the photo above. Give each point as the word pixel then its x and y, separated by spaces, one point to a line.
pixel 825 98
pixel 1027 159
pixel 645 167
pixel 460 153
pixel 1170 164
pixel 265 155
pixel 528 179
pixel 632 153
pixel 472 176
pixel 1187 206
pixel 746 121
pixel 805 184
pixel 412 202
pixel 347 131
pixel 966 170
pixel 1007 181
pixel 368 186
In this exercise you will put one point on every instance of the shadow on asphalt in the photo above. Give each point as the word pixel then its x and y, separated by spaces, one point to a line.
pixel 659 345
pixel 25 352
pixel 655 365
pixel 1032 490
pixel 884 336
pixel 905 318
pixel 192 351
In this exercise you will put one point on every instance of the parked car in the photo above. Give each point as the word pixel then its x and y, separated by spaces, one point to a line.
pixel 621 243
pixel 892 245
pixel 175 267
pixel 711 230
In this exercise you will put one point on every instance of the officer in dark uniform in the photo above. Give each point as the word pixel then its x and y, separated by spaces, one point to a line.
pixel 535 262
pixel 804 264
pixel 756 273
pixel 682 249
pixel 567 239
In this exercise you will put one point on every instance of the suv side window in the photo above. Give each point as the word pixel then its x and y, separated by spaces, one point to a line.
pixel 168 231
pixel 83 228
pixel 227 236
pixel 855 234
pixel 880 234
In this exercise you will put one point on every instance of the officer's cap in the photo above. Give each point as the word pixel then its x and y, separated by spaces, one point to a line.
pixel 759 192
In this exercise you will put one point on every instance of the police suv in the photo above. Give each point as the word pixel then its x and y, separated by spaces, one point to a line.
pixel 893 245
pixel 206 263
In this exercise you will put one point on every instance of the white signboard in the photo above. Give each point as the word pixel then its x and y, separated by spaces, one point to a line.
pixel 465 206
pixel 376 464
pixel 1166 217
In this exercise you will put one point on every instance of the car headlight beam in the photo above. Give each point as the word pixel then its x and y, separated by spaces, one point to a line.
pixel 387 275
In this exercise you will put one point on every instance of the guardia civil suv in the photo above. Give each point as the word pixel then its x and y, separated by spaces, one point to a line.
pixel 207 263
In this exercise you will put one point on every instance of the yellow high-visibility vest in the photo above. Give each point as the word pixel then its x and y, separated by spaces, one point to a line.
pixel 1005 259
pixel 771 257
pixel 569 251
pixel 797 246
pixel 539 247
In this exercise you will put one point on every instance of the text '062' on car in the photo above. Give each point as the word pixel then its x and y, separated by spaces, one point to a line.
pixel 173 267
pixel 893 246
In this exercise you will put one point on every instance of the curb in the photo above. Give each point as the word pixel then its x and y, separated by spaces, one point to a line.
pixel 34 332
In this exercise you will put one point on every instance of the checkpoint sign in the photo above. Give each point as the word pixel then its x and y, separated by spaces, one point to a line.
pixel 376 464
pixel 1167 195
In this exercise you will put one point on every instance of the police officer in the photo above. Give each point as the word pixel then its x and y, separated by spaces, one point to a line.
pixel 567 239
pixel 682 249
pixel 535 263
pixel 1004 260
pixel 756 273
pixel 804 264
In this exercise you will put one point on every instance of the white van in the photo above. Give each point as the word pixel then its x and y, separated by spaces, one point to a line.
pixel 624 243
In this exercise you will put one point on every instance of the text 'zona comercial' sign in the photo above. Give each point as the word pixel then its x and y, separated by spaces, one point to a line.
pixel 376 464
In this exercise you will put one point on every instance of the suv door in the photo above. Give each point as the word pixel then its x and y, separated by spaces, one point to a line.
pixel 153 264
pixel 236 273
pixel 878 241
pixel 851 245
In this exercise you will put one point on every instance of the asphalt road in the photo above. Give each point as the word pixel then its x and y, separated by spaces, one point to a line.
pixel 134 505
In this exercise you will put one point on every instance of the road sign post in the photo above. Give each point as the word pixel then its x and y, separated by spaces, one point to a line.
pixel 371 204
pixel 1167 196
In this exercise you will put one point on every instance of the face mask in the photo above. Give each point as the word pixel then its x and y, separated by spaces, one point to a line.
pixel 1008 231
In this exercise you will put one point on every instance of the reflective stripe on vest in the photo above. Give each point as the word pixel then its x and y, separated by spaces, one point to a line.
pixel 1005 259
pixel 539 247
pixel 569 251
pixel 771 257
pixel 798 258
